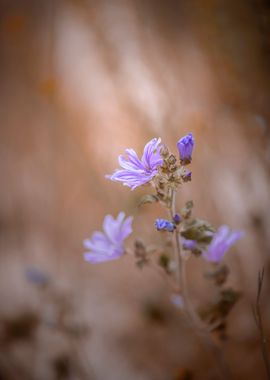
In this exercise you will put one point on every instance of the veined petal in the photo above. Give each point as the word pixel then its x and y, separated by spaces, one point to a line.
pixel 234 236
pixel 151 152
pixel 96 257
pixel 125 164
pixel 132 179
pixel 134 172
pixel 134 159
pixel 126 228
pixel 120 218
pixel 101 243
pixel 222 240
pixel 111 228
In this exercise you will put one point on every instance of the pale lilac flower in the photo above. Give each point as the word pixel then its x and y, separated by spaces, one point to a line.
pixel 185 148
pixel 108 245
pixel 222 240
pixel 136 172
pixel 164 225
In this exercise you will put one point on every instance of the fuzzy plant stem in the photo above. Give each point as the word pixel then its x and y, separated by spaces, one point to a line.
pixel 259 323
pixel 199 326
pixel 181 270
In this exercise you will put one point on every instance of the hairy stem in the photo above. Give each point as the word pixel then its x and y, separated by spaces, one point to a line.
pixel 199 326
pixel 181 270
pixel 259 323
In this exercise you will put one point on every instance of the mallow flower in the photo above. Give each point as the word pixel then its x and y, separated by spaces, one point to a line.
pixel 222 240
pixel 136 172
pixel 185 147
pixel 109 244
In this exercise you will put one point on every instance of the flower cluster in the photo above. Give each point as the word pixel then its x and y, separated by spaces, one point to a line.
pixel 165 172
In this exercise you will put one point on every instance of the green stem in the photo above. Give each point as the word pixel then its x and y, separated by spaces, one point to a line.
pixel 181 270
pixel 199 326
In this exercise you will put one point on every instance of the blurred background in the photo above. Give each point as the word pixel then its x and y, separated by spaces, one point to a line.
pixel 81 80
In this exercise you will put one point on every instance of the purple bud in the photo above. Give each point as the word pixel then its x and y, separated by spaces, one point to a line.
pixel 187 176
pixel 164 225
pixel 189 244
pixel 177 219
pixel 185 148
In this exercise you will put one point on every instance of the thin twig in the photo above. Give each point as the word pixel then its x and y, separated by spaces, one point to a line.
pixel 259 324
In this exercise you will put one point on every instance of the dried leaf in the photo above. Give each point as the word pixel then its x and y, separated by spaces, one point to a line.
pixel 149 198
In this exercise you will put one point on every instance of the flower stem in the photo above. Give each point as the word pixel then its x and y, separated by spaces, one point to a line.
pixel 199 326
pixel 259 323
pixel 181 270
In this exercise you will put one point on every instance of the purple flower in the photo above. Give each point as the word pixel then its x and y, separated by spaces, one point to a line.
pixel 108 245
pixel 36 276
pixel 136 172
pixel 185 148
pixel 221 242
pixel 189 244
pixel 164 225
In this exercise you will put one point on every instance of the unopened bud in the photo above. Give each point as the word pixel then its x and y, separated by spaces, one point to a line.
pixel 187 176
pixel 172 160
pixel 164 151
pixel 177 219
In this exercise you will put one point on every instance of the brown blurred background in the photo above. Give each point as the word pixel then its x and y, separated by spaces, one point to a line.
pixel 81 81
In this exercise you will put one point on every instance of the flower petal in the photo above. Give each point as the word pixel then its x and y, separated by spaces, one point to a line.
pixel 151 156
pixel 110 244
pixel 126 228
pixel 134 172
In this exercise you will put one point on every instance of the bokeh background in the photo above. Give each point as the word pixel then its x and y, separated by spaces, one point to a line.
pixel 80 82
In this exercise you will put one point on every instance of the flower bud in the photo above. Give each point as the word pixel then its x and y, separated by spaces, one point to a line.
pixel 177 219
pixel 164 151
pixel 187 176
pixel 185 148
pixel 164 225
pixel 172 160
